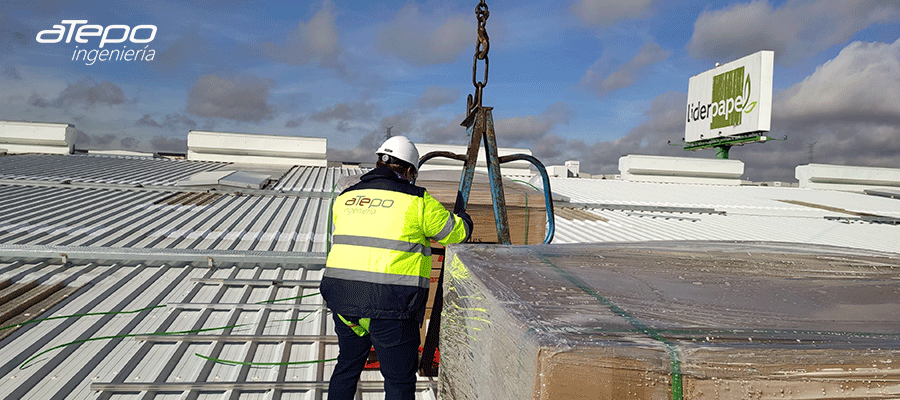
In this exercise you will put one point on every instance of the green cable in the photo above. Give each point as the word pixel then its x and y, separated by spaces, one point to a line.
pixel 25 364
pixel 527 212
pixel 262 364
pixel 80 315
pixel 526 219
pixel 532 186
pixel 675 368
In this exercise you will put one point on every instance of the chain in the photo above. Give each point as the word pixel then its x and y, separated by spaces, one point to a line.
pixel 482 45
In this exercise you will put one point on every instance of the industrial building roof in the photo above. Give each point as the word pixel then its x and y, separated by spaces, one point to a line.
pixel 161 291
pixel 643 211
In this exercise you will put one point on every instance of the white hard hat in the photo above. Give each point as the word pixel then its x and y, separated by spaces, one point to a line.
pixel 401 148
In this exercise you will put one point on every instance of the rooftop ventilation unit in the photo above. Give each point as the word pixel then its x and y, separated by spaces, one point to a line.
pixel 256 149
pixel 681 170
pixel 232 179
pixel 37 137
pixel 839 177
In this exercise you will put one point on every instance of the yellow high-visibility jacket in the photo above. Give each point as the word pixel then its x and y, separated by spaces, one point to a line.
pixel 380 260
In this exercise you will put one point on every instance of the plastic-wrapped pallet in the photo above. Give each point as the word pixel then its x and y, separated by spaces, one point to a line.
pixel 670 320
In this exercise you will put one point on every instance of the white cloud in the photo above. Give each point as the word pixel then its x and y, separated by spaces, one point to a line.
pixel 86 92
pixel 608 12
pixel 422 39
pixel 311 42
pixel 847 112
pixel 173 121
pixel 651 53
pixel 343 112
pixel 240 99
pixel 795 30
pixel 11 73
pixel 436 96
pixel 526 130
pixel 861 83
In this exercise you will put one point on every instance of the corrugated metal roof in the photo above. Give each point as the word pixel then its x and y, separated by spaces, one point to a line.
pixel 112 344
pixel 151 219
pixel 182 261
pixel 206 258
pixel 647 212
pixel 314 179
pixel 110 169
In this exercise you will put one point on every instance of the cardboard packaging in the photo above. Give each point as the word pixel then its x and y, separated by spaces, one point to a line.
pixel 670 320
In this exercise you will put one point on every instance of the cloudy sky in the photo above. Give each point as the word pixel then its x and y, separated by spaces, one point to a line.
pixel 587 80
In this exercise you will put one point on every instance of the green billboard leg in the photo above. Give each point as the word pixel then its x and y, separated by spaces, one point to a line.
pixel 722 152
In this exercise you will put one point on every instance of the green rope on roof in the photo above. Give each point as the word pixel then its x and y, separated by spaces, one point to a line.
pixel 34 321
pixel 25 364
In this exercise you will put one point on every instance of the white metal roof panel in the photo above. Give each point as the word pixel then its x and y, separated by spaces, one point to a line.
pixel 747 213
pixel 315 179
pixel 154 232
pixel 62 216
pixel 741 199
pixel 108 169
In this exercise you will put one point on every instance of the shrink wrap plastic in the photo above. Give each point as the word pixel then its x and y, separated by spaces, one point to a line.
pixel 670 320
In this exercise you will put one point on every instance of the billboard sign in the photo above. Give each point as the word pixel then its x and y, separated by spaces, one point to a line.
pixel 731 99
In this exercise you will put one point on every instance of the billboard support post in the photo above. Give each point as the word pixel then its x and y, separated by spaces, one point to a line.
pixel 722 152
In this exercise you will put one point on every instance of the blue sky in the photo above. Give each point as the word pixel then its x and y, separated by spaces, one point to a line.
pixel 587 80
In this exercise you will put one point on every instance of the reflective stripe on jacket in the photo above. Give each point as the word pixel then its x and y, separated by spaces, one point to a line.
pixel 380 260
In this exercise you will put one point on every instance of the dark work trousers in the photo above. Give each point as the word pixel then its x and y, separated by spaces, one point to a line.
pixel 396 343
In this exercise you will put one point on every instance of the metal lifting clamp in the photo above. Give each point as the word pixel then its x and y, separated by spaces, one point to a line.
pixel 479 125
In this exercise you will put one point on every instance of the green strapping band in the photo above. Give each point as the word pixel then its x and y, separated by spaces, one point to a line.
pixel 80 315
pixel 675 367
pixel 25 364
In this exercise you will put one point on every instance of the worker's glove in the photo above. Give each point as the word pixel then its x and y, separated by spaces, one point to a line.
pixel 460 204
pixel 462 214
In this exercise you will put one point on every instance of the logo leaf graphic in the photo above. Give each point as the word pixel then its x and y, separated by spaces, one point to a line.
pixel 748 107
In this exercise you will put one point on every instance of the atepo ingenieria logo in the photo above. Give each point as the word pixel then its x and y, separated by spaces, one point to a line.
pixel 93 39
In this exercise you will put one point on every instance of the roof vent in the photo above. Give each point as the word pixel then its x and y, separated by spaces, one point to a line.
pixel 236 179
pixel 681 170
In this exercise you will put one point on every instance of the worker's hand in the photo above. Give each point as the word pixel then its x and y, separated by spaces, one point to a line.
pixel 460 205
pixel 468 221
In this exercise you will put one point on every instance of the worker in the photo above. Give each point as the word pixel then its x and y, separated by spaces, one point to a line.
pixel 377 272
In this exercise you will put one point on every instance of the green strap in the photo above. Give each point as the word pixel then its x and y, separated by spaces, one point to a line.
pixel 675 366
pixel 25 364
pixel 80 315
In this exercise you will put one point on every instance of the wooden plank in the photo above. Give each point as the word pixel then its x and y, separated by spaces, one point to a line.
pixel 35 311
pixel 28 294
